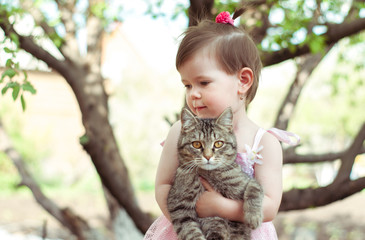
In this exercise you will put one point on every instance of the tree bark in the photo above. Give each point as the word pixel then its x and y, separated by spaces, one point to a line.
pixel 333 35
pixel 306 65
pixel 199 10
pixel 297 199
pixel 340 188
pixel 103 150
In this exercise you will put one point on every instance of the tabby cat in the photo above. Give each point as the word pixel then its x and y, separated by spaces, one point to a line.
pixel 207 148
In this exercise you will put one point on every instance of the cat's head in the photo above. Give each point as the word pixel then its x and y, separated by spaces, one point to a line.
pixel 206 143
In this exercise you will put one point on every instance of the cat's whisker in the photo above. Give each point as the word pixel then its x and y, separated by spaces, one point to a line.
pixel 188 167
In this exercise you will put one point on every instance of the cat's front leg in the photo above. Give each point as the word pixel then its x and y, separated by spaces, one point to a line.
pixel 252 205
pixel 215 228
pixel 190 231
pixel 181 205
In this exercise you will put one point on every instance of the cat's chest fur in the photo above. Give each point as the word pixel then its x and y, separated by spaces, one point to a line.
pixel 222 179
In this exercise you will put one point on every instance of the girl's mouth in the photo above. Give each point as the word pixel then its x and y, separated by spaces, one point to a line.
pixel 198 109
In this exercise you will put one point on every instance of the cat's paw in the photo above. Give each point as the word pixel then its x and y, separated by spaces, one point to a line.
pixel 215 236
pixel 253 221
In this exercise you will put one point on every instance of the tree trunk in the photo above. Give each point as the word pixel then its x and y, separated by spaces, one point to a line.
pixel 121 223
pixel 101 145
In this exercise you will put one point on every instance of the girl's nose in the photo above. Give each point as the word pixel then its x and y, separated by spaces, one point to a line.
pixel 195 93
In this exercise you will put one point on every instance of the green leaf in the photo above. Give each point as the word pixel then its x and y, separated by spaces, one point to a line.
pixel 27 86
pixel 98 9
pixel 316 43
pixel 16 90
pixel 8 85
pixel 12 84
pixel 8 50
pixel 25 76
pixel 9 63
pixel 84 139
pixel 15 39
pixel 8 72
pixel 22 100
pixel 3 91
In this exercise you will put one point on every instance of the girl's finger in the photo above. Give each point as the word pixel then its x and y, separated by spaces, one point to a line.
pixel 206 184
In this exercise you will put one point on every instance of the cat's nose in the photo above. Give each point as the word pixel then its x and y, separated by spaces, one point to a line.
pixel 208 154
pixel 208 157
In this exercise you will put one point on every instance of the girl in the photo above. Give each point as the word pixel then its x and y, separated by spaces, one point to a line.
pixel 220 67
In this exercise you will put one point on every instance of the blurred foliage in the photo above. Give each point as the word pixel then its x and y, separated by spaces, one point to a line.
pixel 292 23
pixel 9 177
pixel 34 149
pixel 333 99
pixel 24 144
pixel 330 110
pixel 304 227
pixel 13 77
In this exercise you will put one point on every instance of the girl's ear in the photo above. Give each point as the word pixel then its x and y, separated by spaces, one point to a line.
pixel 245 76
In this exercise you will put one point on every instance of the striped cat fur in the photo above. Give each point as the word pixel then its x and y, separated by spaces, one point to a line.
pixel 207 148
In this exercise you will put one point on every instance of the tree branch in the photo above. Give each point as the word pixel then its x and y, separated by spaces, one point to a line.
pixel 340 188
pixel 348 159
pixel 356 148
pixel 94 27
pixel 256 12
pixel 38 17
pixel 305 68
pixel 71 49
pixel 293 158
pixel 315 197
pixel 334 33
pixel 27 43
pixel 65 216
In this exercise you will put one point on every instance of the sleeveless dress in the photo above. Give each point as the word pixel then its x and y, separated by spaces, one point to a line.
pixel 162 229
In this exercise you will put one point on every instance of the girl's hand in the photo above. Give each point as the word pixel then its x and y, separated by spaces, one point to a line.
pixel 210 202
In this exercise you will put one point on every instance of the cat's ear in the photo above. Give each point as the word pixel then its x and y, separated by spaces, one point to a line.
pixel 226 119
pixel 188 120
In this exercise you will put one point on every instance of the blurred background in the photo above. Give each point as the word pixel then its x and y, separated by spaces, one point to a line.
pixel 312 84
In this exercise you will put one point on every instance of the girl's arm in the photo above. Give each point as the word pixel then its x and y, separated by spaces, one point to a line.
pixel 166 168
pixel 269 175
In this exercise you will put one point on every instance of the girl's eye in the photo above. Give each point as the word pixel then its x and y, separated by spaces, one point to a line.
pixel 204 83
pixel 218 144
pixel 187 86
pixel 196 144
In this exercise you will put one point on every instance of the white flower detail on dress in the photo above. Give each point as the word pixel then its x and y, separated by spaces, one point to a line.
pixel 248 159
pixel 253 155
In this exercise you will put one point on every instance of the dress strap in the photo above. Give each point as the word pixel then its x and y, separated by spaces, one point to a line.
pixel 258 137
pixel 285 136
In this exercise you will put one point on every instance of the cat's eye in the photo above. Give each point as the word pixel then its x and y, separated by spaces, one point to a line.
pixel 197 144
pixel 218 144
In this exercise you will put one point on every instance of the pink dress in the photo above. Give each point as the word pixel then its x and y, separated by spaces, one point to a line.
pixel 162 228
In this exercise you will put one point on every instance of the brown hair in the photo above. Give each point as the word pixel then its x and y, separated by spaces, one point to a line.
pixel 233 48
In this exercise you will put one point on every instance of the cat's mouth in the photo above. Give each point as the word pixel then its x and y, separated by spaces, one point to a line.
pixel 209 164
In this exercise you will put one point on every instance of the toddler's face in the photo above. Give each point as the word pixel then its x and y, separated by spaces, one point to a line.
pixel 209 89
